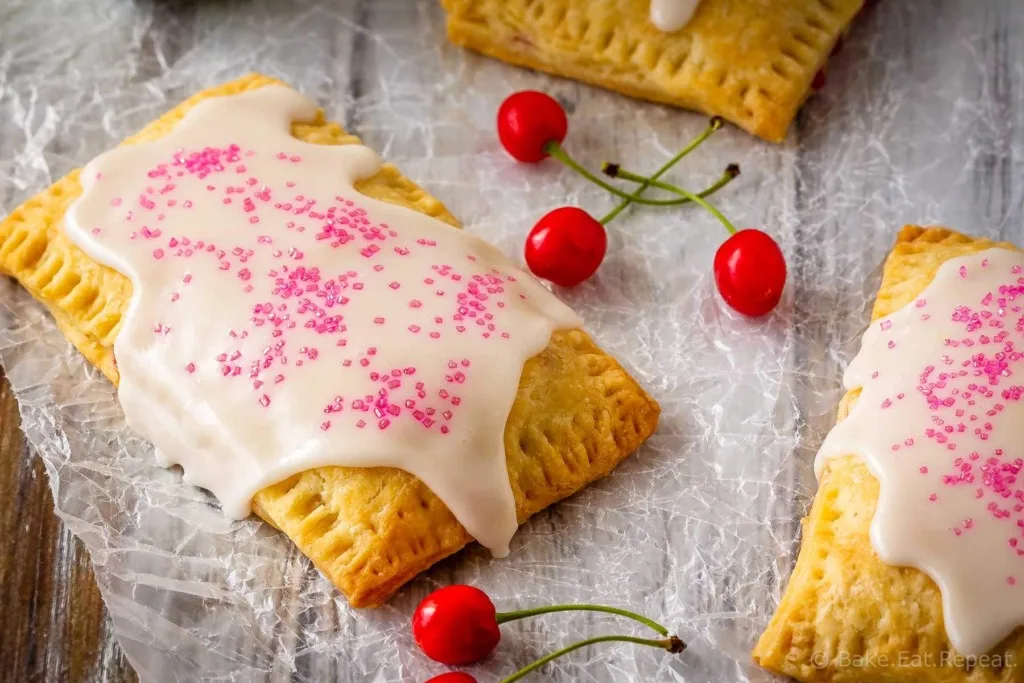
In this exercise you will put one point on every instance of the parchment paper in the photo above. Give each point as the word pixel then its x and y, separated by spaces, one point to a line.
pixel 919 123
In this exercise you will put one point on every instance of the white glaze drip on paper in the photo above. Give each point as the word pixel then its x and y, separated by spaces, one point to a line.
pixel 282 321
pixel 940 424
pixel 672 15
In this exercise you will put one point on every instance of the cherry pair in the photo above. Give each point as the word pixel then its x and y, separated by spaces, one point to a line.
pixel 567 245
pixel 459 625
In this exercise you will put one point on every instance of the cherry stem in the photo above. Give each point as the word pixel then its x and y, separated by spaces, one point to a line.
pixel 613 170
pixel 672 644
pixel 617 172
pixel 505 617
pixel 554 149
pixel 715 123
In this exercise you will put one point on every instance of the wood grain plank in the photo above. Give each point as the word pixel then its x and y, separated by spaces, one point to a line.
pixel 53 624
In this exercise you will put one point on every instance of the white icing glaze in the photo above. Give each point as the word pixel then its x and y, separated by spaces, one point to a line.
pixel 234 348
pixel 940 424
pixel 672 15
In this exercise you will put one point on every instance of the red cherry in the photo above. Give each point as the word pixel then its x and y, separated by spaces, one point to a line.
pixel 527 121
pixel 818 82
pixel 566 246
pixel 750 272
pixel 456 625
pixel 837 48
pixel 453 677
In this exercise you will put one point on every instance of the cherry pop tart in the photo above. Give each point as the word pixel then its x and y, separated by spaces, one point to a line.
pixel 312 338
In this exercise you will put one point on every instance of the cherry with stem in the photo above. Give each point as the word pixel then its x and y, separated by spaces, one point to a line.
pixel 567 245
pixel 459 625
pixel 749 267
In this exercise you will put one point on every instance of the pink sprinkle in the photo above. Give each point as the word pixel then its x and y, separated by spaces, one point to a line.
pixel 264 400
pixel 963 271
pixel 158 253
pixel 190 368
pixel 378 321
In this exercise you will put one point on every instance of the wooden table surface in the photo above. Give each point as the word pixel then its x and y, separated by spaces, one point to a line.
pixel 54 626
pixel 920 60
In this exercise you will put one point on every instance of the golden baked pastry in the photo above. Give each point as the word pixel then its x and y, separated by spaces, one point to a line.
pixel 846 615
pixel 751 62
pixel 369 530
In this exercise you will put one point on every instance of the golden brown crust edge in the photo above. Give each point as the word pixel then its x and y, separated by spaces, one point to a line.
pixel 551 454
pixel 368 530
pixel 613 45
pixel 846 615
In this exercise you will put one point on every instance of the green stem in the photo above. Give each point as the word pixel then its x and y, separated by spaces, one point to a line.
pixel 505 617
pixel 732 171
pixel 555 150
pixel 626 175
pixel 672 644
pixel 715 123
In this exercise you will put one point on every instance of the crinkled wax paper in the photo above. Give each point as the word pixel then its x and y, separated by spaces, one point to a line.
pixel 920 122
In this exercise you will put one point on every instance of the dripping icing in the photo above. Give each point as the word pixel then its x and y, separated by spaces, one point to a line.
pixel 672 15
pixel 281 320
pixel 940 424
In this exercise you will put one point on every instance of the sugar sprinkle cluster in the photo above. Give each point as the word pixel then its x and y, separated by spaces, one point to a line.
pixel 967 391
pixel 299 293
